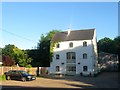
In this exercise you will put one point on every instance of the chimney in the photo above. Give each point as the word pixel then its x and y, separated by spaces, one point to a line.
pixel 68 31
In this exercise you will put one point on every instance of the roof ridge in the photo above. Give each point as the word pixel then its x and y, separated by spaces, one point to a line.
pixel 81 30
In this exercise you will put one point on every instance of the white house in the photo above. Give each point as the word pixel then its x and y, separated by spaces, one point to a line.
pixel 75 52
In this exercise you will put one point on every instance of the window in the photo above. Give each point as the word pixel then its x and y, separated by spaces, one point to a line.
pixel 84 44
pixel 85 68
pixel 84 56
pixel 58 45
pixel 71 55
pixel 57 56
pixel 57 68
pixel 71 68
pixel 71 44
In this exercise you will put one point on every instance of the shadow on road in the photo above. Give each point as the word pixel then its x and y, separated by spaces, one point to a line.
pixel 42 88
pixel 103 80
pixel 35 88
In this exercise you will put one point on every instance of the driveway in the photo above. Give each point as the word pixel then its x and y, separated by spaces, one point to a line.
pixel 104 80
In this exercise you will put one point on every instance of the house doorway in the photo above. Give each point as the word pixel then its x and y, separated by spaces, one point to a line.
pixel 71 69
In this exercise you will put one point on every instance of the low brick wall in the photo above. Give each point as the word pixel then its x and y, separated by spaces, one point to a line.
pixel 4 69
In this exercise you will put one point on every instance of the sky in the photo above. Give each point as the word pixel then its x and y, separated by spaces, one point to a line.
pixel 24 22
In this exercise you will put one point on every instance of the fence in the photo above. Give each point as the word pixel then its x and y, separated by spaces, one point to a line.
pixel 4 69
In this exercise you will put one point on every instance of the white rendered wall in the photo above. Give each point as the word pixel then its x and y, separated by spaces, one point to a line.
pixel 79 49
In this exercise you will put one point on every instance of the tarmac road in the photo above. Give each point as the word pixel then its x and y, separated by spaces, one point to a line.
pixel 104 80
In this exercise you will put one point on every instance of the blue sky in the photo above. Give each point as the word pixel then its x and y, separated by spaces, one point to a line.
pixel 28 20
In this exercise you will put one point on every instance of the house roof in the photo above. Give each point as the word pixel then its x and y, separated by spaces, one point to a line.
pixel 86 34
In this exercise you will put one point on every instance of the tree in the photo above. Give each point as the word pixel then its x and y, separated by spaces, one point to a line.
pixel 110 46
pixel 24 60
pixel 105 45
pixel 8 50
pixel 43 50
pixel 34 54
pixel 8 61
pixel 19 56
pixel 117 47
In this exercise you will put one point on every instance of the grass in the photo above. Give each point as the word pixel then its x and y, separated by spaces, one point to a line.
pixel 2 77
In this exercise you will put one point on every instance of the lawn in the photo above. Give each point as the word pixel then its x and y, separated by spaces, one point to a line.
pixel 2 77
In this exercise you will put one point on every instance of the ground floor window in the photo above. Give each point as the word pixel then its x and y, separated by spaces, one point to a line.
pixel 57 68
pixel 71 68
pixel 85 68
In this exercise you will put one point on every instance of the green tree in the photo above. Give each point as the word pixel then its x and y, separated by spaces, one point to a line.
pixel 117 47
pixel 105 45
pixel 34 54
pixel 8 50
pixel 20 56
pixel 110 46
pixel 44 48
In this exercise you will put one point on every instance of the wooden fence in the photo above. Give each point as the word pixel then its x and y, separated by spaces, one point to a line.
pixel 32 70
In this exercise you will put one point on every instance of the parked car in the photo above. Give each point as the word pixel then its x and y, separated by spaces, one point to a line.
pixel 19 75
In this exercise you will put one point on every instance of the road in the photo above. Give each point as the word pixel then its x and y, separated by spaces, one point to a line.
pixel 104 80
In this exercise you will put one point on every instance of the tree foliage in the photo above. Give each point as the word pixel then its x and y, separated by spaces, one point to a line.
pixel 7 60
pixel 13 53
pixel 43 50
pixel 34 54
pixel 117 45
pixel 108 45
pixel 105 45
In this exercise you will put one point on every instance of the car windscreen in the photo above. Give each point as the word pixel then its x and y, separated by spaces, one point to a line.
pixel 23 72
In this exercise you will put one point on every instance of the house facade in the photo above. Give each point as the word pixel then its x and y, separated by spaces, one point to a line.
pixel 75 52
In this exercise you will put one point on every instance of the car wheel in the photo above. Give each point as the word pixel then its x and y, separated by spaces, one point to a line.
pixel 8 78
pixel 23 79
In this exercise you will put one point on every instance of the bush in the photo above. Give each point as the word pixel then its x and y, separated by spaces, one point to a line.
pixel 2 77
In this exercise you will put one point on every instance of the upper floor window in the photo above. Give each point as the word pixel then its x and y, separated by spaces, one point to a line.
pixel 84 56
pixel 58 45
pixel 57 56
pixel 71 44
pixel 57 68
pixel 71 55
pixel 84 44
pixel 85 68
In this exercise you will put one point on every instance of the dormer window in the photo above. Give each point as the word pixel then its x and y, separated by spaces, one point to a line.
pixel 58 45
pixel 84 44
pixel 70 44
